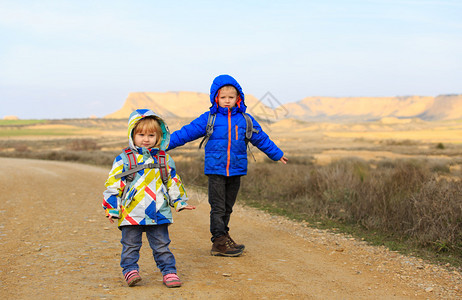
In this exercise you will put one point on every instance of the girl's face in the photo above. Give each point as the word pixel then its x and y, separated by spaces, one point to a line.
pixel 145 139
pixel 227 97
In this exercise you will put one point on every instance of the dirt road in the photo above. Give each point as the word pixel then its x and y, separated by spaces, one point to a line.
pixel 55 243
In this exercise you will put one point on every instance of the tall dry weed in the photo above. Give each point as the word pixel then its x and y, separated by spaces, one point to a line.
pixel 407 199
pixel 403 198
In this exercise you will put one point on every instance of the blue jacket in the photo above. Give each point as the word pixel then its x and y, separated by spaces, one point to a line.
pixel 225 151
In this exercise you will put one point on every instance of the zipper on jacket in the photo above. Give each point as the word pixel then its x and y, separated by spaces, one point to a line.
pixel 236 132
pixel 229 142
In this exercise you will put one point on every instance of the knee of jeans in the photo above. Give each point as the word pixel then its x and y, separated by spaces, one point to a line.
pixel 131 239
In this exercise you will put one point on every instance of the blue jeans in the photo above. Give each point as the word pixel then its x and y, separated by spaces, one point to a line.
pixel 159 240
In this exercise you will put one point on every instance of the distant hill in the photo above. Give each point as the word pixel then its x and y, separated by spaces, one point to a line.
pixel 328 109
pixel 170 104
pixel 444 107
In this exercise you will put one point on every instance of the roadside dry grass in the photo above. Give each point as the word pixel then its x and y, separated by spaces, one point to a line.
pixel 402 193
pixel 405 203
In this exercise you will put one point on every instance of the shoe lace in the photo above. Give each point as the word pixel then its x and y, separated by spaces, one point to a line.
pixel 229 244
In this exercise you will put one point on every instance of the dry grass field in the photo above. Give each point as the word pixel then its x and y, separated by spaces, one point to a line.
pixel 330 152
pixel 334 175
pixel 389 138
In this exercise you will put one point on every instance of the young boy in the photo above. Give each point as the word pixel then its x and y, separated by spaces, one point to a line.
pixel 142 204
pixel 225 156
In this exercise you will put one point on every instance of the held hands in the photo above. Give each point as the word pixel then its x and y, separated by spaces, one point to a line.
pixel 284 160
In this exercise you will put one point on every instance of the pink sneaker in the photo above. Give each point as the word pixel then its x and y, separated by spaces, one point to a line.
pixel 132 277
pixel 172 280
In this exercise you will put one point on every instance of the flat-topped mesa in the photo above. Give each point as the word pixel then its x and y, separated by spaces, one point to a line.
pixel 192 104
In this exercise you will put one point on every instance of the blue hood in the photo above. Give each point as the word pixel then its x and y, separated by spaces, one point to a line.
pixel 218 83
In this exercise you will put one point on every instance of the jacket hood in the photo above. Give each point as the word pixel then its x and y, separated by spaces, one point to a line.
pixel 143 113
pixel 218 83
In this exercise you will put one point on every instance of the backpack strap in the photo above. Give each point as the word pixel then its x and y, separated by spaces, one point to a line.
pixel 163 169
pixel 208 129
pixel 161 158
pixel 132 164
pixel 136 169
pixel 133 168
pixel 249 130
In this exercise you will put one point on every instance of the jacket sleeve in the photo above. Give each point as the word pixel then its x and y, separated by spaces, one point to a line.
pixel 262 141
pixel 114 189
pixel 190 132
pixel 175 188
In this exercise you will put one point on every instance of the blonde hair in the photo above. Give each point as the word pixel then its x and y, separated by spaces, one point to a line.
pixel 229 87
pixel 147 125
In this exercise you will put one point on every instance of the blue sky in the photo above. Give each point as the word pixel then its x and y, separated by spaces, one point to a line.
pixel 75 59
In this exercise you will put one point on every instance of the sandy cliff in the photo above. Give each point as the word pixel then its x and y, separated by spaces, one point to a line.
pixel 192 104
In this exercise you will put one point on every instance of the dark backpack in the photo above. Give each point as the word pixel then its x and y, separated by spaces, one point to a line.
pixel 249 130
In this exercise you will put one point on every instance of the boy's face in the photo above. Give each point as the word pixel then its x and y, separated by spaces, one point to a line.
pixel 227 97
pixel 145 139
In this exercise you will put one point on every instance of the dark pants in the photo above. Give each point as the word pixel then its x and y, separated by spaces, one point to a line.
pixel 222 196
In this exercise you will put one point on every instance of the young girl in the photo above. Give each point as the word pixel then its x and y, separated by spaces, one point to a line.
pixel 143 204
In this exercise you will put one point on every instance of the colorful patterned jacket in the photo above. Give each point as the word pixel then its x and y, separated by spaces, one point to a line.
pixel 147 200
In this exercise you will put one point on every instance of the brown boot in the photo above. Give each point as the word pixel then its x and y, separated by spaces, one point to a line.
pixel 234 244
pixel 222 246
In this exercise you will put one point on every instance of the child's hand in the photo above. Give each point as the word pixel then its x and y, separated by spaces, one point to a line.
pixel 110 219
pixel 284 160
pixel 112 214
pixel 188 207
